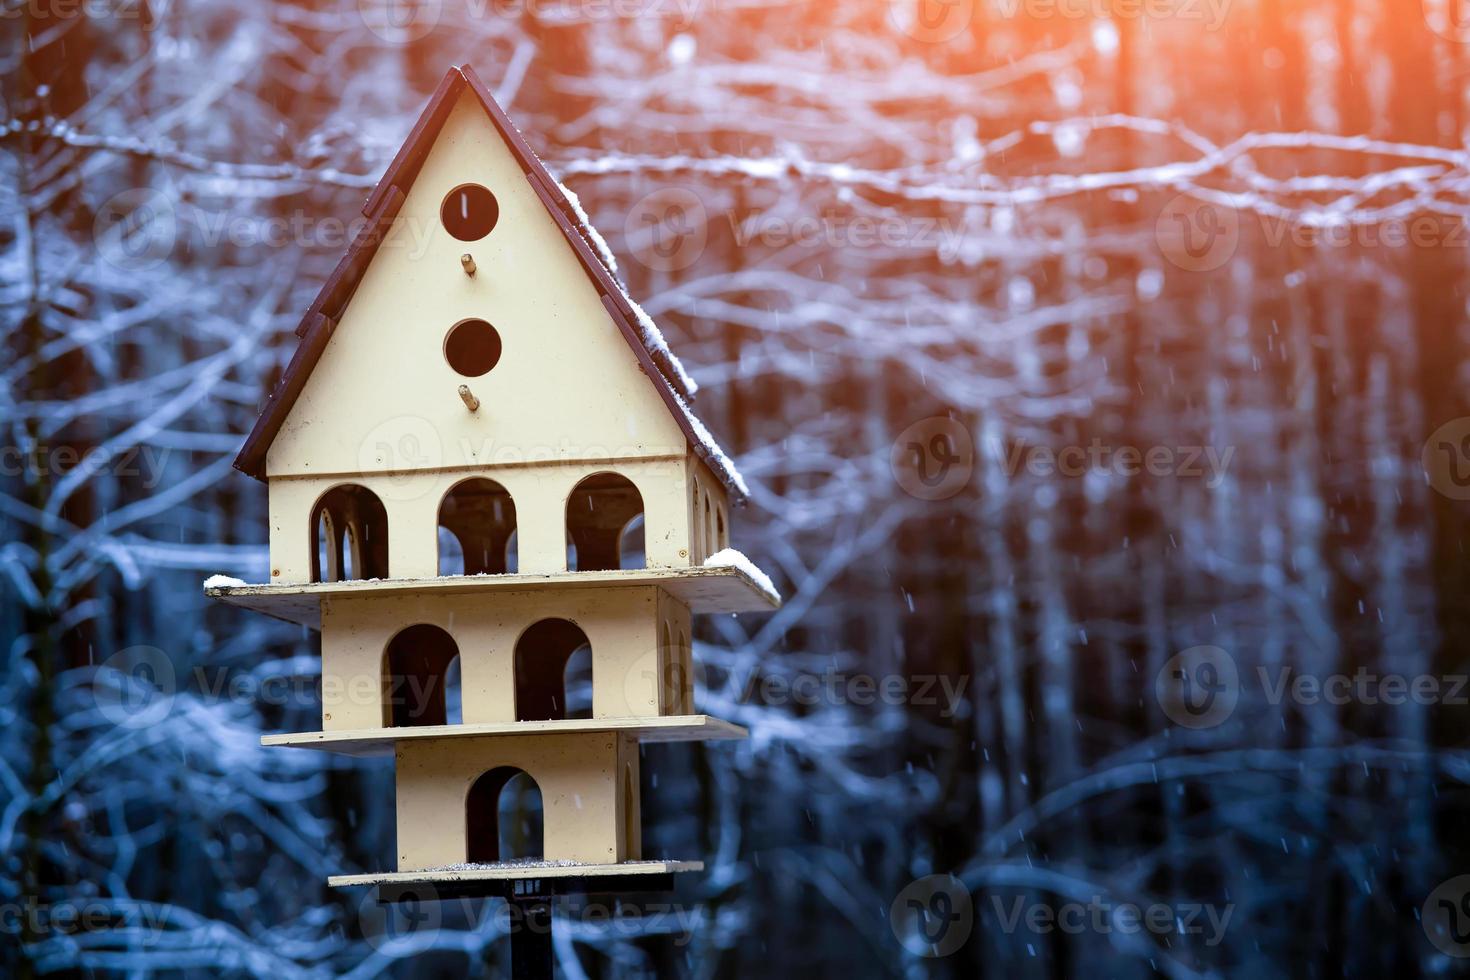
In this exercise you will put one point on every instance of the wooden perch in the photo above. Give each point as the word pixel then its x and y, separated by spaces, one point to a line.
pixel 468 397
pixel 468 261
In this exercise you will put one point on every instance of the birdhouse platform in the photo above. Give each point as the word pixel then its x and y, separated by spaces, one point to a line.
pixel 443 879
pixel 381 742
pixel 725 589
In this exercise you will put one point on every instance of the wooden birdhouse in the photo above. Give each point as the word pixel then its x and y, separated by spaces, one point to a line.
pixel 484 480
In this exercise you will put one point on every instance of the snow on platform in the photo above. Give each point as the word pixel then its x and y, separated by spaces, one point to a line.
pixel 513 870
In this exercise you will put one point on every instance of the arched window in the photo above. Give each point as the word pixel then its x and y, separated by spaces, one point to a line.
pixel 577 683
pixel 512 553
pixel 477 524
pixel 416 675
pixel 631 552
pixel 326 557
pixel 722 530
pixel 350 527
pixel 454 693
pixel 696 527
pixel 709 527
pixel 686 675
pixel 541 657
pixel 670 663
pixel 632 832
pixel 504 819
pixel 600 514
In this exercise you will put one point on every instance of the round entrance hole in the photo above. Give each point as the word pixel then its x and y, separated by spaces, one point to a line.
pixel 469 212
pixel 472 348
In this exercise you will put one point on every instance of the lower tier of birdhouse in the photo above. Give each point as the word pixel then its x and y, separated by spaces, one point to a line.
pixel 450 799
pixel 464 799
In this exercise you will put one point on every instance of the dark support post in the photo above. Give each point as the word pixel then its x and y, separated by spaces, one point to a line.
pixel 529 906
pixel 530 938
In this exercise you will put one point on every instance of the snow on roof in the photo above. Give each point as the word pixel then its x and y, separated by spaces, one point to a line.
pixel 649 332
pixel 653 339
pixel 714 456
pixel 652 336
pixel 730 558
pixel 593 235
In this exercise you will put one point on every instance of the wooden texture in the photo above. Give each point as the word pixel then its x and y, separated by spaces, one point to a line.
pixel 522 872
pixel 461 106
pixel 381 741
pixel 703 590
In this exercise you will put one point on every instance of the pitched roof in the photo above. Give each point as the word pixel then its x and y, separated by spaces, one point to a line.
pixel 321 318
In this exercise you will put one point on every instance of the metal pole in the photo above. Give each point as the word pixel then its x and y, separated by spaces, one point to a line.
pixel 530 938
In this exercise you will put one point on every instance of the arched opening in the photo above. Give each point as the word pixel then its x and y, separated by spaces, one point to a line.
pixel 512 554
pixel 670 663
pixel 350 527
pixel 722 532
pixel 351 553
pixel 453 693
pixel 451 553
pixel 542 655
pixel 577 683
pixel 630 545
pixel 600 513
pixel 477 524
pixel 632 832
pixel 696 526
pixel 326 557
pixel 504 819
pixel 686 675
pixel 416 675
pixel 709 526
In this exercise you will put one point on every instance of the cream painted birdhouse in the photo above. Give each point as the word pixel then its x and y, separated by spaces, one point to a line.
pixel 486 486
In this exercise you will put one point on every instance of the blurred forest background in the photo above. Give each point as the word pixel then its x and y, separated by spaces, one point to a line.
pixel 1108 223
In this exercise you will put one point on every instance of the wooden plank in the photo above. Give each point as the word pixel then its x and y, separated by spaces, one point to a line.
pixel 703 590
pixel 512 872
pixel 371 742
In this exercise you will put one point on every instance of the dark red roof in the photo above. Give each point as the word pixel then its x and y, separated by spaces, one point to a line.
pixel 382 206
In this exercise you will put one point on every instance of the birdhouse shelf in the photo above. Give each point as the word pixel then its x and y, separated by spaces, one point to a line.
pixel 703 590
pixel 449 877
pixel 381 742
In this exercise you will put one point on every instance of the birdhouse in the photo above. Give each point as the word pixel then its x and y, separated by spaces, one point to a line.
pixel 486 487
